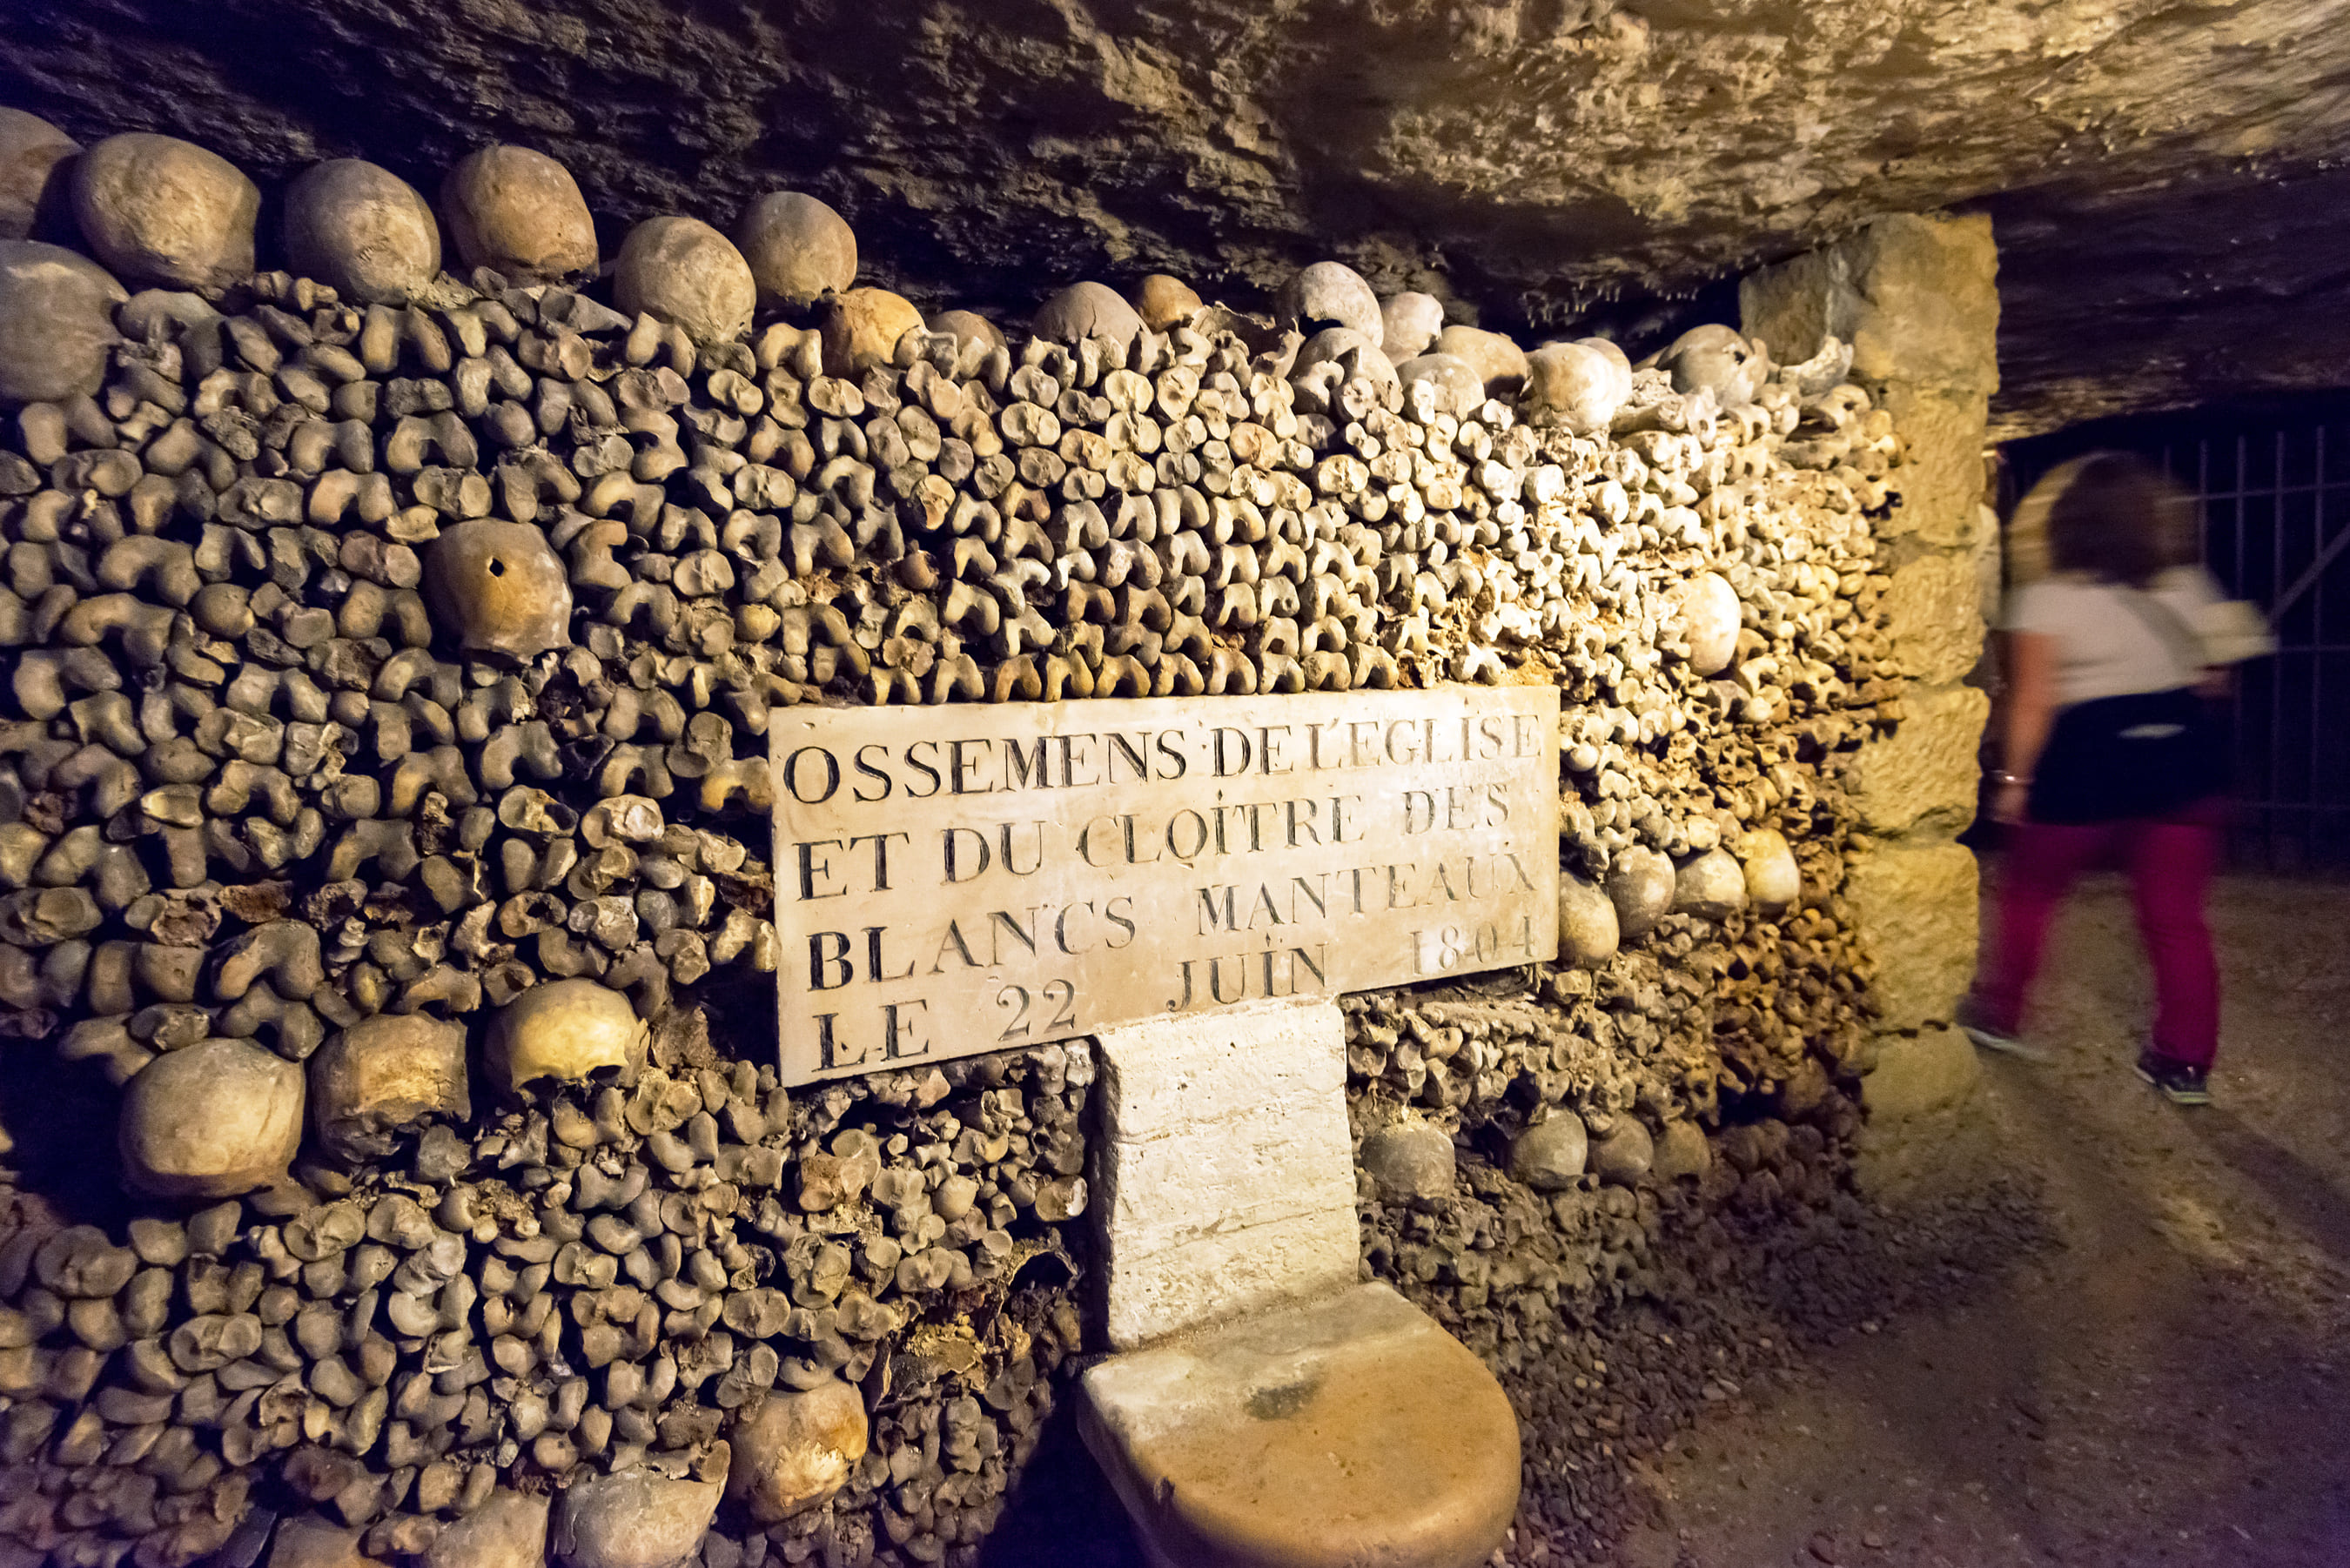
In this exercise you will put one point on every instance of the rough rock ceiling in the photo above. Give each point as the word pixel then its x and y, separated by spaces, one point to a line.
pixel 2162 173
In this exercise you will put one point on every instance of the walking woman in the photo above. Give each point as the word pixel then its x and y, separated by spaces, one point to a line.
pixel 2114 747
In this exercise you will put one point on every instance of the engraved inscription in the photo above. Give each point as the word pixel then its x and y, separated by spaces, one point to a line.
pixel 959 879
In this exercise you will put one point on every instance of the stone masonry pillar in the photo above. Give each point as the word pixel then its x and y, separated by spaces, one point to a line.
pixel 1916 299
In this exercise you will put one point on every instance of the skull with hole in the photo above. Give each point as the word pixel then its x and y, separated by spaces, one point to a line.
pixel 499 587
pixel 568 1031
pixel 1331 294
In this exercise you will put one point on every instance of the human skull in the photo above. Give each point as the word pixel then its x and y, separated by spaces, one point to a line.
pixel 1498 363
pixel 56 323
pixel 1705 609
pixel 382 1075
pixel 519 214
pixel 35 175
pixel 683 272
pixel 570 1030
pixel 1716 357
pixel 1456 383
pixel 499 587
pixel 1410 323
pixel 861 328
pixel 159 210
pixel 210 1120
pixel 1085 310
pixel 1164 303
pixel 799 249
pixel 796 1449
pixel 363 230
pixel 1328 293
pixel 1572 387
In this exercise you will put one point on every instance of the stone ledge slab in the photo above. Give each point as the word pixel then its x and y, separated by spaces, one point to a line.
pixel 1348 1432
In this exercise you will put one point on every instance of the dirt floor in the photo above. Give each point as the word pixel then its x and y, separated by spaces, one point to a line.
pixel 2169 1385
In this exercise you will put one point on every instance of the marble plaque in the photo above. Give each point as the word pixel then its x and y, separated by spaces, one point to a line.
pixel 965 878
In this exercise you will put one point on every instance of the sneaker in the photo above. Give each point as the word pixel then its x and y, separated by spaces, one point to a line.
pixel 2179 1083
pixel 1971 1024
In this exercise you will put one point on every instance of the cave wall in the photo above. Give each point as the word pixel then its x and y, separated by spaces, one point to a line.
pixel 2167 174
pixel 256 792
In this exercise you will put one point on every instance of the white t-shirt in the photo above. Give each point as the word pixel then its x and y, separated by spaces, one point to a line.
pixel 2106 647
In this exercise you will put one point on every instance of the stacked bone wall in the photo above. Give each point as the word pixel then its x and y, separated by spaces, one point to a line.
pixel 260 800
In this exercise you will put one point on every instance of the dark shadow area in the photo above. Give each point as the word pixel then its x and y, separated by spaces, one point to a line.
pixel 2302 1195
pixel 61 1118
pixel 1061 1512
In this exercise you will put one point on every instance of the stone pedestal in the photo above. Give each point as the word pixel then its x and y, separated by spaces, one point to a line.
pixel 1224 1170
pixel 1277 1412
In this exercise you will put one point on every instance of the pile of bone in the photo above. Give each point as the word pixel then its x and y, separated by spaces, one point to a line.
pixel 1610 1076
pixel 388 647
pixel 1517 1219
pixel 651 1297
pixel 274 538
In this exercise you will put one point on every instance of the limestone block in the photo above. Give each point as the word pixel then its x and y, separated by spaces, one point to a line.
pixel 1916 918
pixel 1348 1431
pixel 1935 618
pixel 1922 777
pixel 1226 1168
pixel 1916 298
pixel 1941 472
pixel 1919 1073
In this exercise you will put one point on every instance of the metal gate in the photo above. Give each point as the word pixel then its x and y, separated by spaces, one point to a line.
pixel 2274 483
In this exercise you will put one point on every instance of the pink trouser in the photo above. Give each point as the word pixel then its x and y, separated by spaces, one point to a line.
pixel 2170 861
